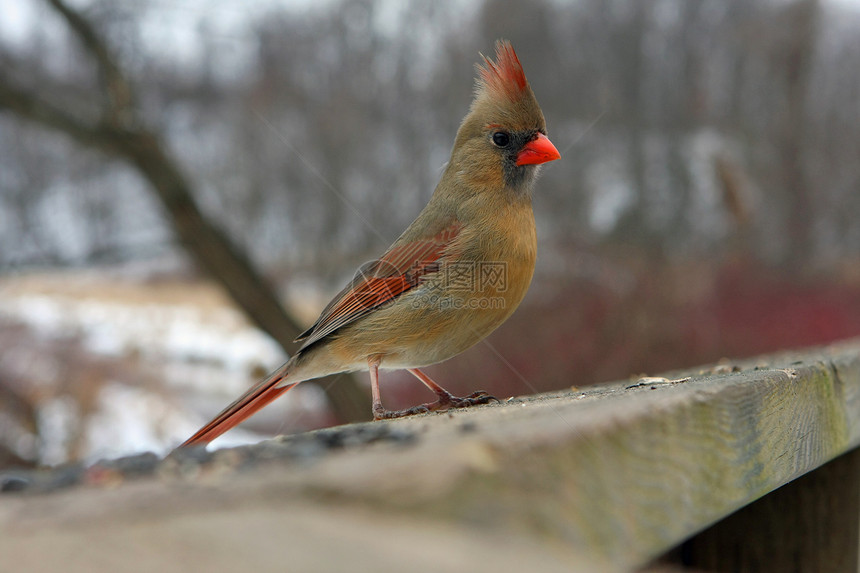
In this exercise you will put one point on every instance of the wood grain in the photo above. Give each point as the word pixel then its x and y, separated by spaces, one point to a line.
pixel 809 524
pixel 612 476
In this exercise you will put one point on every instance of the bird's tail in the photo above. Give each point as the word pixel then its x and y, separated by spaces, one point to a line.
pixel 245 406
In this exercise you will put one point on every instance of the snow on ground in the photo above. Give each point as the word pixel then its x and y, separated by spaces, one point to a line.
pixel 201 351
pixel 177 331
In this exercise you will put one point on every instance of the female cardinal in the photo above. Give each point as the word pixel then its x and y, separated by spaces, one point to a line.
pixel 458 272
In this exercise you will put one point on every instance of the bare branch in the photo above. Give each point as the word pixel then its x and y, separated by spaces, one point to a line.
pixel 119 136
pixel 27 105
pixel 119 94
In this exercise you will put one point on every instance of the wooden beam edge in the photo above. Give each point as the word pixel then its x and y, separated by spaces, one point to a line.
pixel 613 475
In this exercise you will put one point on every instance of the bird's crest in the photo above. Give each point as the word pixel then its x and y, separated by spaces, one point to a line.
pixel 504 76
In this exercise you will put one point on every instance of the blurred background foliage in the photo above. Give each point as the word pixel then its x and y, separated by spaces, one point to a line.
pixel 706 204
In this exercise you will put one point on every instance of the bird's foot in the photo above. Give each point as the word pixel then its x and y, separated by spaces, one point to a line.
pixel 446 401
pixel 381 413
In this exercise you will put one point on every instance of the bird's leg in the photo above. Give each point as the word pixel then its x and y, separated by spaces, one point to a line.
pixel 373 367
pixel 445 399
pixel 379 411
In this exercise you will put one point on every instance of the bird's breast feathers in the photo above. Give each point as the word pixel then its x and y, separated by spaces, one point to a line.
pixel 487 268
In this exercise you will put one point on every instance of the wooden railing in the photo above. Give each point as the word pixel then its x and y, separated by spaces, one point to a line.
pixel 637 474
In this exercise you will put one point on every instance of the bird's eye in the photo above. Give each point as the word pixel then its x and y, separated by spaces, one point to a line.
pixel 501 139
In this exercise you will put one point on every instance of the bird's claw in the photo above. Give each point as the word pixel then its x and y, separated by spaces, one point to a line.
pixel 446 401
pixel 383 414
pixel 473 399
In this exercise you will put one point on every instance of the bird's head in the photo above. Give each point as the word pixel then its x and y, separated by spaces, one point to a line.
pixel 502 140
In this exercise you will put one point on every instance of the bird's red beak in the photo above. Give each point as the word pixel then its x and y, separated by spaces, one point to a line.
pixel 537 151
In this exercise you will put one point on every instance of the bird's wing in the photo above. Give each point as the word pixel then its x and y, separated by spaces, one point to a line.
pixel 381 281
pixel 375 284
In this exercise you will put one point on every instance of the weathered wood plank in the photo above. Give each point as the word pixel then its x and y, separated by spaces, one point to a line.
pixel 612 476
pixel 623 474
pixel 809 524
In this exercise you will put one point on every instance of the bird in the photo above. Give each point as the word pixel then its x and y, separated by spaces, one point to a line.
pixel 453 276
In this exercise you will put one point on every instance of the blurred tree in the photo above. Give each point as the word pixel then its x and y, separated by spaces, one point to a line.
pixel 697 138
pixel 120 132
pixel 792 50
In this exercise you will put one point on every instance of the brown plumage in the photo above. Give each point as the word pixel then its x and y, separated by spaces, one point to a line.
pixel 457 272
